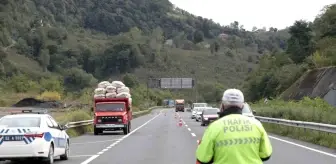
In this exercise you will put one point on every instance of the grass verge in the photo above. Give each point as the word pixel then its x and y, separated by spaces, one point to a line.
pixel 73 116
pixel 312 110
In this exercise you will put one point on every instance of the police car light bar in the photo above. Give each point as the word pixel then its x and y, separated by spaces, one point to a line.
pixel 30 111
pixel 36 111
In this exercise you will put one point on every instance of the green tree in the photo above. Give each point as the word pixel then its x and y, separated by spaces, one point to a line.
pixel 198 36
pixel 300 44
pixel 130 80
pixel 44 59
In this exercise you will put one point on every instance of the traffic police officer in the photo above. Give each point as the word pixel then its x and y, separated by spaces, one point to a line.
pixel 234 138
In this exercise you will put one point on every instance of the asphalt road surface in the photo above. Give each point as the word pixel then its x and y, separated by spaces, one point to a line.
pixel 157 138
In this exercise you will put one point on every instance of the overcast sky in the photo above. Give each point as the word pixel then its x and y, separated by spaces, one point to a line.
pixel 259 13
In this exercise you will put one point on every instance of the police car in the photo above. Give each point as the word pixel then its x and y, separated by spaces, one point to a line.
pixel 32 135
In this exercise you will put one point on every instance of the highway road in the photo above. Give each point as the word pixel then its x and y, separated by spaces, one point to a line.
pixel 157 139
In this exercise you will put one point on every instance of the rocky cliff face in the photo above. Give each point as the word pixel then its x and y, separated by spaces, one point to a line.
pixel 314 83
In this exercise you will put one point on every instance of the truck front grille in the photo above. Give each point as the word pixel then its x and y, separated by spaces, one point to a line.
pixel 109 119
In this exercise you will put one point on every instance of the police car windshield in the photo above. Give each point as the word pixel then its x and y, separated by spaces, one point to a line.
pixel 211 111
pixel 20 122
pixel 110 107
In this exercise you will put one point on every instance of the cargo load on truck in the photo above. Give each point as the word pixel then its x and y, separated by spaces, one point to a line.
pixel 179 105
pixel 116 89
pixel 112 107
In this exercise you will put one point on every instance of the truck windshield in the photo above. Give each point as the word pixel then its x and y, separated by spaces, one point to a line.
pixel 110 107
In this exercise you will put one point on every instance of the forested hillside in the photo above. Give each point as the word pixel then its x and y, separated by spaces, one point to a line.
pixel 66 45
pixel 311 45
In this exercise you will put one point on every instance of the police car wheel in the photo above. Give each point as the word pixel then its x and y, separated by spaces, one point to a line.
pixel 50 158
pixel 65 156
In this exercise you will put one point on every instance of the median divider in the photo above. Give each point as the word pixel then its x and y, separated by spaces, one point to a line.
pixel 80 127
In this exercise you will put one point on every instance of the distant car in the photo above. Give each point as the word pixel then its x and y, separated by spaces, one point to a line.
pixel 199 113
pixel 247 111
pixel 31 135
pixel 208 115
pixel 197 105
pixel 194 112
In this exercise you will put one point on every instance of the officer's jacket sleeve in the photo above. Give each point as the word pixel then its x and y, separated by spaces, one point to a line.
pixel 265 150
pixel 205 151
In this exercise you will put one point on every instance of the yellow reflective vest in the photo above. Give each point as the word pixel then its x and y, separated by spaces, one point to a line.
pixel 234 139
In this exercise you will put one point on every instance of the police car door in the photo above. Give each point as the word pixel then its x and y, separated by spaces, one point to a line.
pixel 59 139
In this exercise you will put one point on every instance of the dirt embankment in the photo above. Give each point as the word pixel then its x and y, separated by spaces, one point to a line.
pixel 314 83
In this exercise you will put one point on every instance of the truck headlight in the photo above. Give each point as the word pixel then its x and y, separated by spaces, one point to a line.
pixel 119 120
pixel 99 120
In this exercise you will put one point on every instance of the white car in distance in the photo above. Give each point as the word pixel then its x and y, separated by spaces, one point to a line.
pixel 195 111
pixel 247 111
pixel 29 135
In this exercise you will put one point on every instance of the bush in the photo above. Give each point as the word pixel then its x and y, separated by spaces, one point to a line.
pixel 73 116
pixel 312 136
pixel 311 110
pixel 49 96
pixel 314 110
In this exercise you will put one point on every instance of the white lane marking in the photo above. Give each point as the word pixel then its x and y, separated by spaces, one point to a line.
pixel 305 147
pixel 189 129
pixel 193 134
pixel 186 125
pixel 74 156
pixel 115 143
pixel 105 149
pixel 90 159
pixel 82 143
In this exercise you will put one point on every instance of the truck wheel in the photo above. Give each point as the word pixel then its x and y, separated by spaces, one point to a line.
pixel 126 129
pixel 96 131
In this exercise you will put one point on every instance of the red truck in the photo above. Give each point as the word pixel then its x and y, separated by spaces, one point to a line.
pixel 112 114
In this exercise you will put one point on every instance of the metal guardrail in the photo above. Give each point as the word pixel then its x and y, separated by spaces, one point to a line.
pixel 89 122
pixel 301 124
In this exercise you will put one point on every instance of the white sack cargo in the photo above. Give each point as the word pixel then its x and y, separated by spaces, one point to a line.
pixel 111 89
pixel 111 95
pixel 99 91
pixel 118 84
pixel 99 96
pixel 103 84
pixel 130 101
pixel 123 95
pixel 123 89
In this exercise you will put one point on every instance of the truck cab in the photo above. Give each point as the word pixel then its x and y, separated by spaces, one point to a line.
pixel 179 105
pixel 112 114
